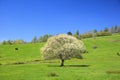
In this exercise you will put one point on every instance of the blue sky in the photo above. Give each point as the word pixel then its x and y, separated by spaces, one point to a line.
pixel 24 19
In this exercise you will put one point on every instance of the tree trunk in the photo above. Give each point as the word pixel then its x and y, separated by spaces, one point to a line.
pixel 62 62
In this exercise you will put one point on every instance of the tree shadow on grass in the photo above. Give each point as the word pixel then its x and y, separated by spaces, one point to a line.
pixel 77 65
pixel 69 66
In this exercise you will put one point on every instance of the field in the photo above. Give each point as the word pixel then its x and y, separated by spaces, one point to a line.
pixel 102 63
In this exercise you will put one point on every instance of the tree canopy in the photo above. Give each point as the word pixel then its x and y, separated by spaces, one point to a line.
pixel 63 47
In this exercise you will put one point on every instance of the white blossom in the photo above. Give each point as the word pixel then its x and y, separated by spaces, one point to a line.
pixel 65 45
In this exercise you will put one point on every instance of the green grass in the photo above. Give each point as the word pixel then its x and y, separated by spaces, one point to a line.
pixel 101 63
pixel 25 52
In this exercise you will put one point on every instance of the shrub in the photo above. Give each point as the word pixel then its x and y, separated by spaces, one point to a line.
pixel 36 60
pixel 103 34
pixel 113 72
pixel 52 74
pixel 16 48
pixel 19 63
pixel 87 35
pixel 94 47
pixel 118 53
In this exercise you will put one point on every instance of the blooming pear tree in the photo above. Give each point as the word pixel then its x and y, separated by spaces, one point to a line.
pixel 63 47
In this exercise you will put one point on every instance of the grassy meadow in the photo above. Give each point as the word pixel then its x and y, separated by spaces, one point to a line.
pixel 102 63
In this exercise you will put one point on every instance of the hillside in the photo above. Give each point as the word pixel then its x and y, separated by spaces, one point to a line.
pixel 102 62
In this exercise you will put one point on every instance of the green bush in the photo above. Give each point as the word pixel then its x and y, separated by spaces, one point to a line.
pixel 103 34
pixel 52 74
pixel 87 35
pixel 113 72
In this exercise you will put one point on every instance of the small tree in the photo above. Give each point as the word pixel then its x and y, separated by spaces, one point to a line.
pixel 115 28
pixel 9 42
pixel 34 40
pixel 106 29
pixel 69 33
pixel 4 42
pixel 63 47
pixel 44 38
pixel 77 34
pixel 94 33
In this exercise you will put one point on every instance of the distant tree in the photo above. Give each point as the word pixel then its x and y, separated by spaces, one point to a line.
pixel 19 41
pixel 112 30
pixel 34 40
pixel 94 33
pixel 4 42
pixel 9 42
pixel 118 29
pixel 115 28
pixel 87 35
pixel 106 29
pixel 77 34
pixel 44 38
pixel 69 33
pixel 63 47
pixel 40 39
